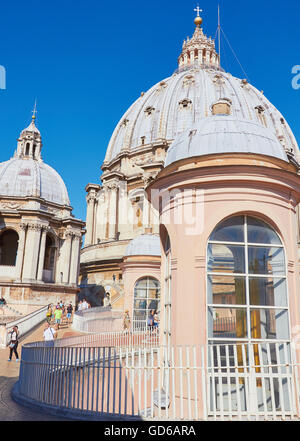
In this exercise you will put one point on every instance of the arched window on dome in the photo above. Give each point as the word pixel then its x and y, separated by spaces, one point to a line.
pixel 9 240
pixel 146 298
pixel 49 260
pixel 27 149
pixel 246 283
pixel 260 113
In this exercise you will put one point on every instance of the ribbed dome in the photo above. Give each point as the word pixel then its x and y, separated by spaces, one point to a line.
pixel 20 177
pixel 184 99
pixel 144 245
pixel 225 134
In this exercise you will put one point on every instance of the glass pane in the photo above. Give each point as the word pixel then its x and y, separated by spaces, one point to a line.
pixel 140 293
pixel 223 290
pixel 226 258
pixel 153 283
pixel 227 323
pixel 231 230
pixel 140 304
pixel 141 283
pixel 153 304
pixel 260 232
pixel 269 324
pixel 267 292
pixel 140 314
pixel 266 260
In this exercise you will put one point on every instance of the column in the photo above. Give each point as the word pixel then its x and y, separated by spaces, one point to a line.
pixel 31 253
pixel 67 249
pixel 192 54
pixel 208 58
pixel 101 215
pixel 89 220
pixel 21 249
pixel 112 213
pixel 125 215
pixel 74 259
pixel 42 255
pixel 146 212
pixel 91 199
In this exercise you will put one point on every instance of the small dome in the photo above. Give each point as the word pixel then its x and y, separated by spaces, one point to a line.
pixel 21 177
pixel 144 245
pixel 225 134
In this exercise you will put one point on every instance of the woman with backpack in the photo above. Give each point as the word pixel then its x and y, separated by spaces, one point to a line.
pixel 13 344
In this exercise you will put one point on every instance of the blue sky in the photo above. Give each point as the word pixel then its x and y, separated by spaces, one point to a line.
pixel 86 62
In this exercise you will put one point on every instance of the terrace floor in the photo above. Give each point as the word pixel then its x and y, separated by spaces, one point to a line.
pixel 9 374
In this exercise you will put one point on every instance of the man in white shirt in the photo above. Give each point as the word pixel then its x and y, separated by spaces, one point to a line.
pixel 84 304
pixel 49 333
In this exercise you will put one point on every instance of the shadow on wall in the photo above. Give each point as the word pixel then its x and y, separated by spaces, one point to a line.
pixel 94 294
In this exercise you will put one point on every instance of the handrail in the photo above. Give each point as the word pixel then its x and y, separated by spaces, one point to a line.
pixel 25 324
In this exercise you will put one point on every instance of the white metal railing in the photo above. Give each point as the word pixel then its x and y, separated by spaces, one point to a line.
pixel 25 324
pixel 98 320
pixel 136 339
pixel 214 382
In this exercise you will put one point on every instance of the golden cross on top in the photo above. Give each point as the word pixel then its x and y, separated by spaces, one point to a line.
pixel 198 10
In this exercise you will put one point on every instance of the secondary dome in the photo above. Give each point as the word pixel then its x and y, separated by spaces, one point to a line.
pixel 225 134
pixel 177 103
pixel 144 245
pixel 27 175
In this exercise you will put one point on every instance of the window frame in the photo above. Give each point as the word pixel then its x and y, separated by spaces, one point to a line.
pixel 247 276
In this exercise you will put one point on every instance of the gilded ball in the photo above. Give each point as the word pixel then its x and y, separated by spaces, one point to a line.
pixel 198 21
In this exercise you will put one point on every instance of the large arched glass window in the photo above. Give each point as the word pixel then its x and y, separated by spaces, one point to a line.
pixel 146 298
pixel 246 282
pixel 8 248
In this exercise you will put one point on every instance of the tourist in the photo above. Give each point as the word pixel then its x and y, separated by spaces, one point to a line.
pixel 58 314
pixel 106 300
pixel 126 321
pixel 69 313
pixel 2 301
pixel 150 320
pixel 49 333
pixel 155 320
pixel 13 344
pixel 63 313
pixel 49 314
pixel 79 306
pixel 84 304
pixel 56 328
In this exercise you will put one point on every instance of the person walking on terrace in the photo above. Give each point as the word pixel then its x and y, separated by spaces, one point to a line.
pixel 58 314
pixel 126 321
pixel 13 344
pixel 49 314
pixel 49 333
pixel 69 313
